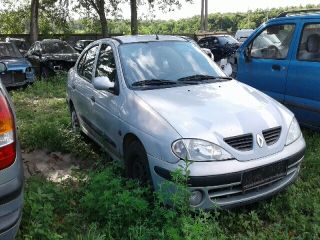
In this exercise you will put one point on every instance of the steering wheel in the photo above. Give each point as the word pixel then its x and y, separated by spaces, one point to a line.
pixel 273 51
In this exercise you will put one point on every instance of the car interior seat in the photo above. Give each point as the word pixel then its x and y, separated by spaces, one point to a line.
pixel 312 48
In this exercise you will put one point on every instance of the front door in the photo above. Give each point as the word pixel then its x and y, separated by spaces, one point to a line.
pixel 263 62
pixel 303 87
pixel 107 103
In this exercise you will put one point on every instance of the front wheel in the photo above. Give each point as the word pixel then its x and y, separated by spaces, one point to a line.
pixel 137 163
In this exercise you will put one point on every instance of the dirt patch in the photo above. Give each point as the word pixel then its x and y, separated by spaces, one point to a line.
pixel 55 166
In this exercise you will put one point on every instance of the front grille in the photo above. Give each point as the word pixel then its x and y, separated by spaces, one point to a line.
pixel 235 191
pixel 13 77
pixel 19 76
pixel 271 135
pixel 241 143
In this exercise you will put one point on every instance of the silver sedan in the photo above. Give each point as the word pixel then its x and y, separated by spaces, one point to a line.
pixel 155 101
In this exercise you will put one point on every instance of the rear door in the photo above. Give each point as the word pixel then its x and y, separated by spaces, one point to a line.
pixel 263 63
pixel 303 84
pixel 82 87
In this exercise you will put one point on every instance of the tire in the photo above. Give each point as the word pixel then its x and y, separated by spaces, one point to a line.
pixel 137 163
pixel 45 72
pixel 75 121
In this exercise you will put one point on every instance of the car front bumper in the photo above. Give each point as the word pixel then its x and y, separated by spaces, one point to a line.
pixel 222 182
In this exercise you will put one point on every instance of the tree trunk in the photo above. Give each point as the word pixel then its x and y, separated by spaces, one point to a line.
pixel 104 25
pixel 134 17
pixel 34 21
pixel 202 16
pixel 206 16
pixel 100 4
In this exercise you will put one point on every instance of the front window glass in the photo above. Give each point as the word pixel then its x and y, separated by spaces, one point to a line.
pixel 273 42
pixel 165 60
pixel 86 65
pixel 56 47
pixel 309 47
pixel 9 50
pixel 106 65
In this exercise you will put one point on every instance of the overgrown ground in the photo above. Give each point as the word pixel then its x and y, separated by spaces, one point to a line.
pixel 103 204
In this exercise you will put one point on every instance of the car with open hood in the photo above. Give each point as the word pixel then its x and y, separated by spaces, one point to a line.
pixel 19 70
pixel 221 46
pixel 50 56
pixel 156 101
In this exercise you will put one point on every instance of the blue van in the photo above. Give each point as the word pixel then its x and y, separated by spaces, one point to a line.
pixel 282 59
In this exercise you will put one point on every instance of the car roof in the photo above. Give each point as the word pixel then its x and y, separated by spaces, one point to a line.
pixel 147 38
pixel 296 17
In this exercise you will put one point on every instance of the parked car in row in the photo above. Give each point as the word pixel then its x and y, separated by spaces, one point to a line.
pixel 205 50
pixel 51 55
pixel 11 170
pixel 19 71
pixel 222 46
pixel 155 101
pixel 81 44
pixel 242 35
pixel 20 43
pixel 282 59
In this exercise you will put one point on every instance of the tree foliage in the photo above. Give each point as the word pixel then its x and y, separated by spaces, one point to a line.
pixel 54 18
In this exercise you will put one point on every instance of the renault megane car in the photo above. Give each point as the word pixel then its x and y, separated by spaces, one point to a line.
pixel 155 101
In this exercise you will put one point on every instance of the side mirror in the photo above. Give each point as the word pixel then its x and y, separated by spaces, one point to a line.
pixel 102 83
pixel 3 67
pixel 247 54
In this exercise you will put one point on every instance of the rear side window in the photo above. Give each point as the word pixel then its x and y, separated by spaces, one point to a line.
pixel 273 42
pixel 86 63
pixel 309 47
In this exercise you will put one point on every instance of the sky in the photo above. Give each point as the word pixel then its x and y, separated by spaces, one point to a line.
pixel 222 6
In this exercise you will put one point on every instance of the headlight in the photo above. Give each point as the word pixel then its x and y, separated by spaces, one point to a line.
pixel 199 150
pixel 294 132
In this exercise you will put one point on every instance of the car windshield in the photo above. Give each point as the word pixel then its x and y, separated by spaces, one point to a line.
pixel 8 50
pixel 52 47
pixel 227 39
pixel 166 62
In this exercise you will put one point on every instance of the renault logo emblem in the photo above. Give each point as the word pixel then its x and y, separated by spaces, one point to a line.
pixel 260 140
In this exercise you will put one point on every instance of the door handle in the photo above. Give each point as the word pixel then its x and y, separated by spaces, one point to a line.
pixel 93 99
pixel 276 67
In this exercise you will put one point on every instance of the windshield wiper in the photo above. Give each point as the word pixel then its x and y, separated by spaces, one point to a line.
pixel 199 78
pixel 154 82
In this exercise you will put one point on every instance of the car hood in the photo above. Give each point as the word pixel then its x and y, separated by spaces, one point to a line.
pixel 16 63
pixel 70 57
pixel 216 111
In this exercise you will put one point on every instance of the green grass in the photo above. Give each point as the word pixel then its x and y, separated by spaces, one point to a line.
pixel 103 204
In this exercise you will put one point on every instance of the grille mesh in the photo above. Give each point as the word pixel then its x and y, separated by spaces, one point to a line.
pixel 241 143
pixel 271 136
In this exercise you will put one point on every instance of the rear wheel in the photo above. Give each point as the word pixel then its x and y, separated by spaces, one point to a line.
pixel 75 121
pixel 137 163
